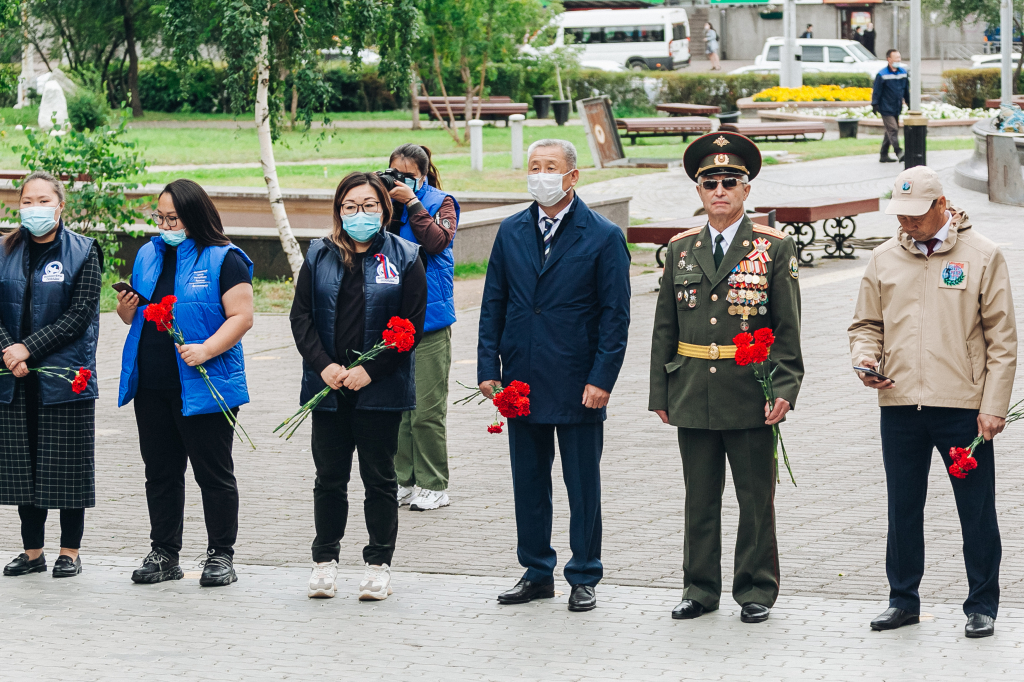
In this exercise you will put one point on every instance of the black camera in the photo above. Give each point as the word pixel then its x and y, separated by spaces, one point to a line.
pixel 391 177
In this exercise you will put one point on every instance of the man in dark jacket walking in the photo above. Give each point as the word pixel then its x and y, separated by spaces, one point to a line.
pixel 555 315
pixel 891 90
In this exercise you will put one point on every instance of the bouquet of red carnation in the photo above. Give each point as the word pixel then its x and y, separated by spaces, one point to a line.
pixel 510 402
pixel 400 336
pixel 963 458
pixel 162 314
pixel 79 378
pixel 754 349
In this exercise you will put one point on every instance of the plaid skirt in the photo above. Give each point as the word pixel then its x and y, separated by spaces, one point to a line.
pixel 61 474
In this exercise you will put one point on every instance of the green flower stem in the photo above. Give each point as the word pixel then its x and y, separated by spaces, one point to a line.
pixel 765 379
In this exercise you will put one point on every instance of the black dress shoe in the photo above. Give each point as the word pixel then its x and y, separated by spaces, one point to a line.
pixel 893 618
pixel 526 591
pixel 218 569
pixel 66 567
pixel 22 565
pixel 886 159
pixel 157 567
pixel 980 625
pixel 900 157
pixel 687 609
pixel 754 613
pixel 582 598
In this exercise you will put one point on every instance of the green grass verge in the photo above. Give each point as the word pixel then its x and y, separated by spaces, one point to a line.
pixel 470 270
pixel 269 295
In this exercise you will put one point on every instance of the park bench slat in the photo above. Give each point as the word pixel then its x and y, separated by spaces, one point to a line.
pixel 825 208
pixel 755 130
pixel 683 109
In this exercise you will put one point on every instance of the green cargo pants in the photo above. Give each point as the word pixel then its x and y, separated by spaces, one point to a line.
pixel 756 566
pixel 422 457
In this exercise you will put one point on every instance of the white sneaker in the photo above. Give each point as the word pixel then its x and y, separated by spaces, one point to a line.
pixel 406 495
pixel 376 583
pixel 430 499
pixel 323 581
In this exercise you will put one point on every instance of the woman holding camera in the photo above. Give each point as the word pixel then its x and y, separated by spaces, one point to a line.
pixel 178 419
pixel 49 317
pixel 429 218
pixel 350 285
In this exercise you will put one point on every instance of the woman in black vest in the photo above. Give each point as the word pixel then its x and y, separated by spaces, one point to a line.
pixel 350 286
pixel 49 317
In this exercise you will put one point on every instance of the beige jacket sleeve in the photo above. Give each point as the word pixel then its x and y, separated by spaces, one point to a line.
pixel 867 331
pixel 999 327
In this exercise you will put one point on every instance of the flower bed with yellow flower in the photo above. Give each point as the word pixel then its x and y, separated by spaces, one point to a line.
pixel 820 93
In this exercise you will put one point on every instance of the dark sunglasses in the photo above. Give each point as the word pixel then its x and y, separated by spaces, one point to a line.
pixel 727 183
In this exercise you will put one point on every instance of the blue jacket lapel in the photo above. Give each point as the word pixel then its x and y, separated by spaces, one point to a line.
pixel 569 234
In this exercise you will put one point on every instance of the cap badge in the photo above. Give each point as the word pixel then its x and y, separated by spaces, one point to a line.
pixel 721 141
pixel 907 185
pixel 721 159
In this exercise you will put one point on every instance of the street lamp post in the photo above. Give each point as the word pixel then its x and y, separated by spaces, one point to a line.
pixel 915 125
pixel 790 70
pixel 1006 49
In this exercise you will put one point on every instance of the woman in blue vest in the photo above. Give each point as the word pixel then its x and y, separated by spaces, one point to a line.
pixel 350 285
pixel 429 218
pixel 49 317
pixel 179 422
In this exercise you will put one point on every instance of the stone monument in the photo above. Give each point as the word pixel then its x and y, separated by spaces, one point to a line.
pixel 54 105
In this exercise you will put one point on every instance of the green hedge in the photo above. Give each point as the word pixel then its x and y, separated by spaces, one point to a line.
pixel 971 87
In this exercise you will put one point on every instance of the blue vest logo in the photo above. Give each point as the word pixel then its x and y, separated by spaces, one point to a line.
pixel 387 273
pixel 54 272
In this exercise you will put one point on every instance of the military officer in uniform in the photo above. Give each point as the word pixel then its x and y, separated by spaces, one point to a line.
pixel 727 277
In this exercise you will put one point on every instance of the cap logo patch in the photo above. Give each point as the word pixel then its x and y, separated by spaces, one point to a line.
pixel 721 141
pixel 721 158
pixel 907 186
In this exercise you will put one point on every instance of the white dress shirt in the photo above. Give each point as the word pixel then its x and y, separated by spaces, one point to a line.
pixel 729 233
pixel 558 219
pixel 941 235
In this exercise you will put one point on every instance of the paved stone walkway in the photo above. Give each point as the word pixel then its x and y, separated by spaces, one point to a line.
pixel 831 529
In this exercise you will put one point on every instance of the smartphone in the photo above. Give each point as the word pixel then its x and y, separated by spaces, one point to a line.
pixel 872 373
pixel 124 286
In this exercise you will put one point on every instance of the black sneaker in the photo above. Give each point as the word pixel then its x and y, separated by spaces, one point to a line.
pixel 217 569
pixel 156 568
pixel 22 565
pixel 66 567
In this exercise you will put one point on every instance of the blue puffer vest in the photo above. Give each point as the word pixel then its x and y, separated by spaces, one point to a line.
pixel 395 392
pixel 53 284
pixel 440 268
pixel 198 314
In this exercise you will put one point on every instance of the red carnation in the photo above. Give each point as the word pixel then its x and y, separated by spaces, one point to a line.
pixel 743 355
pixel 495 427
pixel 758 352
pixel 520 387
pixel 956 470
pixel 512 402
pixel 81 380
pixel 764 336
pixel 161 313
pixel 400 334
pixel 742 339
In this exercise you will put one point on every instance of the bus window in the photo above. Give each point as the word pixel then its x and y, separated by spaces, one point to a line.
pixel 680 32
pixel 620 34
pixel 651 34
pixel 585 36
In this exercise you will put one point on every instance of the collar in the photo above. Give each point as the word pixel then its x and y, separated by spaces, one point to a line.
pixel 728 233
pixel 541 215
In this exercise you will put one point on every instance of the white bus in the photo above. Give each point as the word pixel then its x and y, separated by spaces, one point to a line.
pixel 639 39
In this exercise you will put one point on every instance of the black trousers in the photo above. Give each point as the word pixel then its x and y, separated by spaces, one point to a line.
pixel 909 437
pixel 169 441
pixel 33 527
pixel 374 435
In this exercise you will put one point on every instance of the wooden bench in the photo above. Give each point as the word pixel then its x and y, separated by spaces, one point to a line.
pixel 681 109
pixel 492 110
pixel 994 103
pixel 460 102
pixel 838 226
pixel 661 232
pixel 797 131
pixel 663 127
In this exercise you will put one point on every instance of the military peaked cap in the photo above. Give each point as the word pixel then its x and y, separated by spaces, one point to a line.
pixel 722 151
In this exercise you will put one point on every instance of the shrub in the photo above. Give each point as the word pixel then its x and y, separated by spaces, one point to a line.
pixel 970 88
pixel 353 91
pixel 88 110
pixel 160 89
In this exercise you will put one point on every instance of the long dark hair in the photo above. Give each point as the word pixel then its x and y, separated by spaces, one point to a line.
pixel 419 155
pixel 346 244
pixel 13 238
pixel 196 212
pixel 710 25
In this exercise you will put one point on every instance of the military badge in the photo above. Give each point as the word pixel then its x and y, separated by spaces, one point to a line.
pixel 721 141
pixel 794 268
pixel 954 275
pixel 760 251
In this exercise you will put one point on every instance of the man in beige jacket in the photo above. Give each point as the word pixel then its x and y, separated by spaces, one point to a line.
pixel 935 317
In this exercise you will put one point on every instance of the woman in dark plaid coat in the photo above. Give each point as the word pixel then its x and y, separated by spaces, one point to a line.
pixel 49 317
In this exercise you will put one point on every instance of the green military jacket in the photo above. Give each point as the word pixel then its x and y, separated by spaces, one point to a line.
pixel 694 308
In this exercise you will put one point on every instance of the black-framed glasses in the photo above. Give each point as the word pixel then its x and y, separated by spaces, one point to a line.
pixel 727 183
pixel 172 220
pixel 369 206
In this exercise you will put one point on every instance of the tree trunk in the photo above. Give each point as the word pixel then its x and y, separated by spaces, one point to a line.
pixel 414 98
pixel 433 108
pixel 284 230
pixel 295 104
pixel 133 58
pixel 1015 85
pixel 444 91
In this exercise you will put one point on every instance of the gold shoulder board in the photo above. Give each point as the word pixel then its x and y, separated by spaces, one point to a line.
pixel 763 229
pixel 688 233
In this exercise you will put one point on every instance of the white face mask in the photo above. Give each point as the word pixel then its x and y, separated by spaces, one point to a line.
pixel 546 188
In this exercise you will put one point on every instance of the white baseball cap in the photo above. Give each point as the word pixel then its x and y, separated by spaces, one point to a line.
pixel 914 191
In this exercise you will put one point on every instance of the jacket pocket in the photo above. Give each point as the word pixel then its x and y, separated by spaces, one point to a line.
pixel 673 366
pixel 687 296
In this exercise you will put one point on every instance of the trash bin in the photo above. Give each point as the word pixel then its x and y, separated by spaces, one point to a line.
pixel 729 117
pixel 847 127
pixel 542 105
pixel 561 107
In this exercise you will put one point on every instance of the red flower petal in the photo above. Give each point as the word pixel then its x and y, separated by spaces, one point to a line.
pixel 742 339
pixel 764 336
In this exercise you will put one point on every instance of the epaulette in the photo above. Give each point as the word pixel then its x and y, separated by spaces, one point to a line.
pixel 764 229
pixel 688 233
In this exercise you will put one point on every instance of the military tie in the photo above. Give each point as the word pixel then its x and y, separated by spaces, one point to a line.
pixel 719 252
pixel 548 233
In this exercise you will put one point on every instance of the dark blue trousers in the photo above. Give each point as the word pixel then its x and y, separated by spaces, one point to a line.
pixel 533 453
pixel 908 437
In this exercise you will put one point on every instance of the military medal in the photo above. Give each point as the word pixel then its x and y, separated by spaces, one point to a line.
pixel 679 296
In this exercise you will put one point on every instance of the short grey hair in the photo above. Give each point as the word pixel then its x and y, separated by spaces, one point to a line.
pixel 568 150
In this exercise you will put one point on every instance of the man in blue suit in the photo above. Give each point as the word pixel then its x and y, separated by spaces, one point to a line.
pixel 555 315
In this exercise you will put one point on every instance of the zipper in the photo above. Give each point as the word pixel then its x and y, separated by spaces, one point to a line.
pixel 920 330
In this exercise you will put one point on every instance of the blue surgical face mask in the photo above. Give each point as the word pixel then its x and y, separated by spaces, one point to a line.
pixel 38 220
pixel 173 237
pixel 361 226
pixel 413 184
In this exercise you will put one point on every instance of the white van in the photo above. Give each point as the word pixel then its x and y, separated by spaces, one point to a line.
pixel 639 39
pixel 838 56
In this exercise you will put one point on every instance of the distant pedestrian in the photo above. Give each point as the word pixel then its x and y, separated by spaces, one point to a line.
pixel 858 35
pixel 890 91
pixel 868 38
pixel 429 217
pixel 808 32
pixel 178 419
pixel 711 48
pixel 351 284
pixel 935 316
pixel 49 317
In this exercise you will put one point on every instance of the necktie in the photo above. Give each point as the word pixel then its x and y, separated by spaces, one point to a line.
pixel 548 233
pixel 719 251
pixel 932 244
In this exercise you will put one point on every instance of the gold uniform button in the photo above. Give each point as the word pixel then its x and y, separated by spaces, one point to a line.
pixel 713 370
pixel 714 297
pixel 714 320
